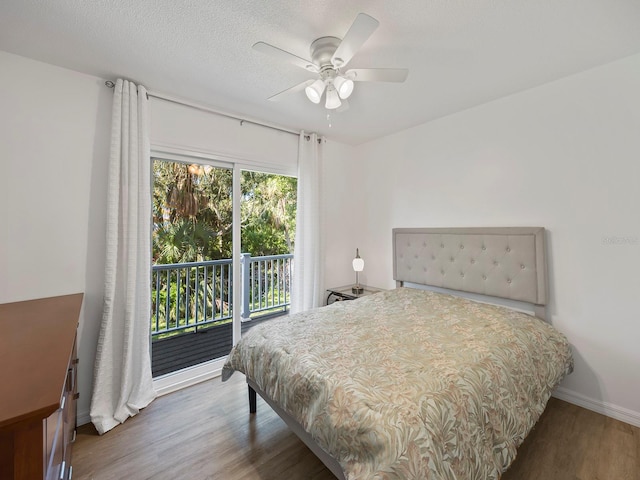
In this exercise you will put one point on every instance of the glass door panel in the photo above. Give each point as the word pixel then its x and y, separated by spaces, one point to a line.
pixel 191 281
pixel 268 213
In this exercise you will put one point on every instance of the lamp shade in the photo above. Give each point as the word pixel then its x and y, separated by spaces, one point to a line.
pixel 315 90
pixel 333 100
pixel 358 262
pixel 344 86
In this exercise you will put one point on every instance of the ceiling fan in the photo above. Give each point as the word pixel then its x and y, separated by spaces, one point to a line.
pixel 329 56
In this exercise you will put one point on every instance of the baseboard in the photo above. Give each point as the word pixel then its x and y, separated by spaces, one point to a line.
pixel 83 418
pixel 605 408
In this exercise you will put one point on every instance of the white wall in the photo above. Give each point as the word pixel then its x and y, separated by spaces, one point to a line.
pixel 340 208
pixel 54 143
pixel 565 156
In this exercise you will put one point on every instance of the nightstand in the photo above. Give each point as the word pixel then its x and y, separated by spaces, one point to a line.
pixel 338 294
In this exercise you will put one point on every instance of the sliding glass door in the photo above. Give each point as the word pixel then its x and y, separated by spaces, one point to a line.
pixel 222 255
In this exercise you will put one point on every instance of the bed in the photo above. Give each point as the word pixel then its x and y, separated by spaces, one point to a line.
pixel 413 383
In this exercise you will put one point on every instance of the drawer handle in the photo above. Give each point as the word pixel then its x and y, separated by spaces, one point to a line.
pixel 62 469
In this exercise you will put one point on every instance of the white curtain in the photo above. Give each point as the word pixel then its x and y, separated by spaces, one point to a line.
pixel 307 291
pixel 123 383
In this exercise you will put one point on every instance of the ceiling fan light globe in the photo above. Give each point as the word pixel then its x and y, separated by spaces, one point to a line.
pixel 312 95
pixel 315 90
pixel 344 86
pixel 333 99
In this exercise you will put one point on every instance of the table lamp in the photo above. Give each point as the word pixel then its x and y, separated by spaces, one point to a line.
pixel 358 266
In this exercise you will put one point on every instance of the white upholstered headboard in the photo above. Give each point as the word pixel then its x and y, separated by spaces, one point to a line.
pixel 500 262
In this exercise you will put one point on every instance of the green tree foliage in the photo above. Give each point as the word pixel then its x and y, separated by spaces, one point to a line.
pixel 268 212
pixel 192 213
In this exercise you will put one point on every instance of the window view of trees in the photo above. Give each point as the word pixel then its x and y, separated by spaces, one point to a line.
pixel 192 226
pixel 268 213
pixel 192 213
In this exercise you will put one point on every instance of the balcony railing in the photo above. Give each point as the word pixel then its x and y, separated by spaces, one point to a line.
pixel 196 295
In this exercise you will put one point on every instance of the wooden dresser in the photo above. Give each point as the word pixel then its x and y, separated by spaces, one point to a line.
pixel 38 372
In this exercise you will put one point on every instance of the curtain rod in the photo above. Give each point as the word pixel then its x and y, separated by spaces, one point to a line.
pixel 186 103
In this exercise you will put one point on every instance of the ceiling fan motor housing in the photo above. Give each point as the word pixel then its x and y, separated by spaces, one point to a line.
pixel 322 49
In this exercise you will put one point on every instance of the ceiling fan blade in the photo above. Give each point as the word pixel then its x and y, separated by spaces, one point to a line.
pixel 285 56
pixel 377 74
pixel 361 29
pixel 288 91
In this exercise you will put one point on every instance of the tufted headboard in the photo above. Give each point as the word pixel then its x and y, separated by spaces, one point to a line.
pixel 500 262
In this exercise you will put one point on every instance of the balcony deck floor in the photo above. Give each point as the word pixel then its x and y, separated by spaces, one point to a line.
pixel 188 349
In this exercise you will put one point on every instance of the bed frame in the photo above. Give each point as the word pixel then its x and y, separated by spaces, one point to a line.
pixel 505 263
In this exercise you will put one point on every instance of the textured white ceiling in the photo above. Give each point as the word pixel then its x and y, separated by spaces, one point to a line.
pixel 460 53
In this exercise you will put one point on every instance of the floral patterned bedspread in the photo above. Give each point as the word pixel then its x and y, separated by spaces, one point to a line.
pixel 409 384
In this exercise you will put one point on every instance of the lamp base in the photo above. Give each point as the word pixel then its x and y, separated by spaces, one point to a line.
pixel 357 290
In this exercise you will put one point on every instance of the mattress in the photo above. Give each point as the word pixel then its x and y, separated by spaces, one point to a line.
pixel 409 384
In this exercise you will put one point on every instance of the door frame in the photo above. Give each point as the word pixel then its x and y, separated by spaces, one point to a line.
pixel 205 371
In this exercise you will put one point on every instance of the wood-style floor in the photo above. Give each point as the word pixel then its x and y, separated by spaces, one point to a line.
pixel 206 432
